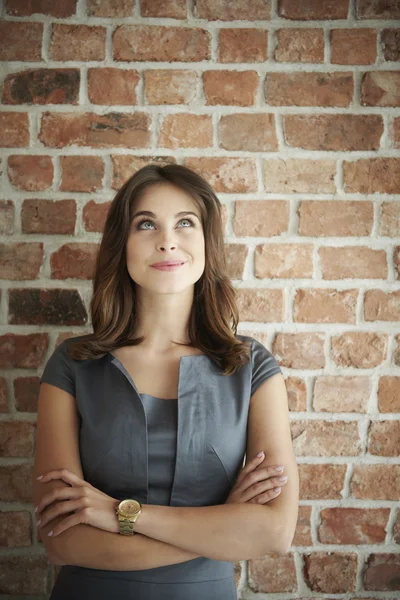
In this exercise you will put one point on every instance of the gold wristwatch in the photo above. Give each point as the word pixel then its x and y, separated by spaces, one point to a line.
pixel 128 512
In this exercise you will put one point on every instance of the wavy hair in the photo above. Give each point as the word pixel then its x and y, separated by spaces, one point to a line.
pixel 113 307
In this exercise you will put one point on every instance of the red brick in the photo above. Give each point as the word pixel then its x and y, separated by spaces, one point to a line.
pixel 349 262
pixel 330 572
pixel 301 175
pixel 359 349
pixel 30 172
pixel 112 86
pixel 261 305
pixel 299 350
pixel 15 528
pixel 42 86
pixel 308 10
pixel 381 306
pixel 272 574
pixel 309 89
pixel 94 215
pixel 353 46
pixel 396 529
pixel 238 88
pixel 227 175
pixel 260 218
pixel 14 129
pixel 376 9
pixel 396 349
pixel 376 482
pixel 77 42
pixel 26 8
pixel 7 217
pixel 248 132
pixel 110 8
pixel 346 525
pixel 46 307
pixel 125 165
pixel 164 9
pixel 384 438
pixel 172 86
pixel 324 305
pixel 81 173
pixel 302 536
pixel 321 481
pixel 299 45
pixel 17 439
pixel 372 175
pixel 48 216
pixel 98 131
pixel 158 43
pixel 283 261
pixel 3 395
pixel 22 351
pixel 396 261
pixel 26 393
pixel 389 394
pixel 395 132
pixel 24 575
pixel 380 88
pixel 333 132
pixel 335 218
pixel 325 438
pixel 236 255
pixel 74 260
pixel 391 44
pixel 215 10
pixel 382 572
pixel 242 45
pixel 390 219
pixel 16 483
pixel 335 393
pixel 21 260
pixel 186 130
pixel 297 394
pixel 21 41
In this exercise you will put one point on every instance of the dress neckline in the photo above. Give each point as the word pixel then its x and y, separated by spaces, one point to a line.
pixel 156 397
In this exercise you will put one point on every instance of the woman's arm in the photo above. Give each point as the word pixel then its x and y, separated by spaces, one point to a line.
pixel 113 552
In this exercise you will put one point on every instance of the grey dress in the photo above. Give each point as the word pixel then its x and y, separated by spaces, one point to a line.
pixel 177 462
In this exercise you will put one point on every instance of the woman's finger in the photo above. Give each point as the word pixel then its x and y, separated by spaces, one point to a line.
pixel 64 474
pixel 61 508
pixel 65 493
pixel 267 473
pixel 267 496
pixel 262 487
pixel 250 466
pixel 66 523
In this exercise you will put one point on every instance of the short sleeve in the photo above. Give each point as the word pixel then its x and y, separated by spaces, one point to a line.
pixel 264 365
pixel 58 370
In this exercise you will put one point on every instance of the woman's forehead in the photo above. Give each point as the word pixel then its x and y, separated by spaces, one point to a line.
pixel 165 196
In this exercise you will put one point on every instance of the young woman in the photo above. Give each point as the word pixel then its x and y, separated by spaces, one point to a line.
pixel 144 424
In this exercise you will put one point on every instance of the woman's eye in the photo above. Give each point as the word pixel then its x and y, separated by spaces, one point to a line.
pixel 139 225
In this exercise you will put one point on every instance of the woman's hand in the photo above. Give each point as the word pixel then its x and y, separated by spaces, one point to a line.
pixel 90 505
pixel 256 487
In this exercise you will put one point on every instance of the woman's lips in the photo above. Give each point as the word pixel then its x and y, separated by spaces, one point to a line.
pixel 168 267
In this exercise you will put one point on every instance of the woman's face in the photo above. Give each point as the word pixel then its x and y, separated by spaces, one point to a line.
pixel 165 236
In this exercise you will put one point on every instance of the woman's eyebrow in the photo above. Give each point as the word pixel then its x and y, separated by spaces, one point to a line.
pixel 148 213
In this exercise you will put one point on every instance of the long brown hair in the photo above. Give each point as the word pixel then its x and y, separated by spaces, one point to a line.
pixel 214 315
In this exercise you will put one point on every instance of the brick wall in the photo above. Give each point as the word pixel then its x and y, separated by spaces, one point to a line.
pixel 291 110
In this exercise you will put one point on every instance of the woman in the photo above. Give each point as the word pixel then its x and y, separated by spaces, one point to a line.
pixel 143 425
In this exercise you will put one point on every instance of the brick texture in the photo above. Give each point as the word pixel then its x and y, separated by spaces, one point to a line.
pixel 290 111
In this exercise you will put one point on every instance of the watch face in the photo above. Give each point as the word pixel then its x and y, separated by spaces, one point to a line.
pixel 129 507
